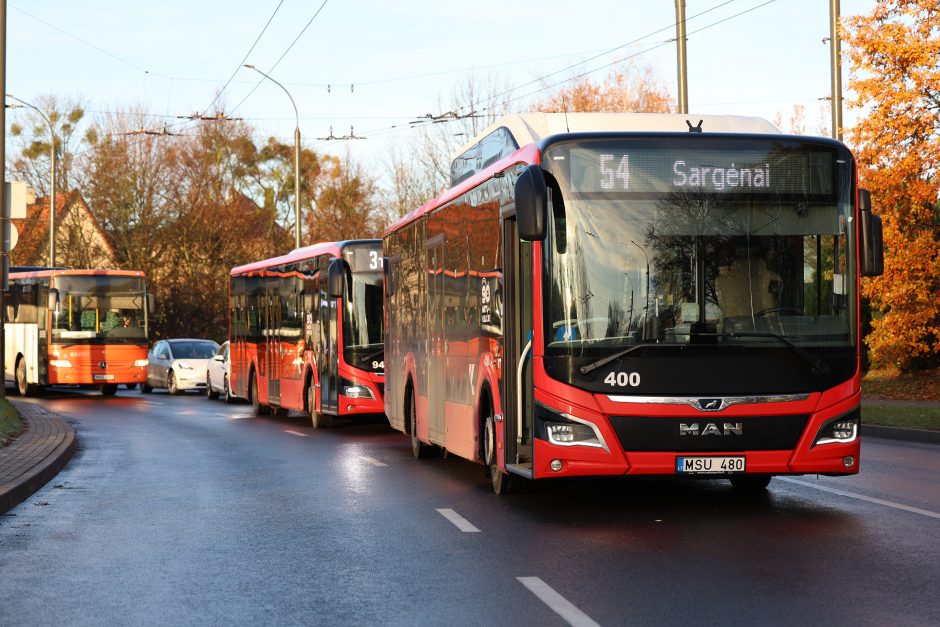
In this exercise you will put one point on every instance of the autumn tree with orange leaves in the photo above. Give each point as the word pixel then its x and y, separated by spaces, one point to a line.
pixel 894 55
pixel 628 88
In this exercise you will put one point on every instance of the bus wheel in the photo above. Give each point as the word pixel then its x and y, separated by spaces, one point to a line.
pixel 750 483
pixel 145 388
pixel 260 410
pixel 24 388
pixel 489 444
pixel 502 482
pixel 109 389
pixel 318 420
pixel 418 448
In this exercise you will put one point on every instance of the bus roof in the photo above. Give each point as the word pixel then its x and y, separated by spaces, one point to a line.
pixel 530 128
pixel 51 272
pixel 302 254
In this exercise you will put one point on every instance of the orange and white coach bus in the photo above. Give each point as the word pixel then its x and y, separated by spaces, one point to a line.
pixel 76 327
pixel 634 294
pixel 306 331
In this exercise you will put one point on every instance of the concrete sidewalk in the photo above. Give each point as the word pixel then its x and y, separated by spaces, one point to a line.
pixel 35 456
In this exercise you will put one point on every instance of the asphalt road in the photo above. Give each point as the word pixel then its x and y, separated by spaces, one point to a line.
pixel 180 510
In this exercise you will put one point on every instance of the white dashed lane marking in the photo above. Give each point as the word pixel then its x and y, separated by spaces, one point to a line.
pixel 373 461
pixel 559 604
pixel 297 433
pixel 459 521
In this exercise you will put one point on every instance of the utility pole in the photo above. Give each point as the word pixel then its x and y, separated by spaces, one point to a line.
pixel 836 59
pixel 683 100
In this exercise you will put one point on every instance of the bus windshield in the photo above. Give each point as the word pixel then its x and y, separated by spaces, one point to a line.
pixel 96 309
pixel 724 242
pixel 363 334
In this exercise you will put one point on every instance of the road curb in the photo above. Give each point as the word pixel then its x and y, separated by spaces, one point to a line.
pixel 897 433
pixel 36 456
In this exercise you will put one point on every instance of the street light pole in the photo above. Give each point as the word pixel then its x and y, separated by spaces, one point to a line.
pixel 296 155
pixel 51 176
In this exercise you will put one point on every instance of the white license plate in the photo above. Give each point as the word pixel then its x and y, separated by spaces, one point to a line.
pixel 104 377
pixel 710 465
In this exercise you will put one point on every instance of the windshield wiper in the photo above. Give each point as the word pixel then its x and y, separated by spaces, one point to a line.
pixel 817 365
pixel 591 367
pixel 372 356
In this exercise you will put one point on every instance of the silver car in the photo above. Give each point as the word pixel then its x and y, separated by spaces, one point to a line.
pixel 217 375
pixel 178 365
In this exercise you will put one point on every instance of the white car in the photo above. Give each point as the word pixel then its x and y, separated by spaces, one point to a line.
pixel 217 375
pixel 178 365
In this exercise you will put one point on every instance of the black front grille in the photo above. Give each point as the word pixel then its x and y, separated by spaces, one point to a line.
pixel 381 387
pixel 709 433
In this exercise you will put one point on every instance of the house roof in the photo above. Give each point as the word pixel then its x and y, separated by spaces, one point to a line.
pixel 33 240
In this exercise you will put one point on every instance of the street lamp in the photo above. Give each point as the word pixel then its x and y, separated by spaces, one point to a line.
pixel 51 176
pixel 296 155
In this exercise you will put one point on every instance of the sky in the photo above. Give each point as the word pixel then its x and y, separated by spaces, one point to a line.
pixel 369 67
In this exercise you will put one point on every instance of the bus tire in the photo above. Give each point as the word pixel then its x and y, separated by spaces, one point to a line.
pixel 145 388
pixel 502 481
pixel 109 389
pixel 318 420
pixel 24 388
pixel 259 409
pixel 418 448
pixel 750 484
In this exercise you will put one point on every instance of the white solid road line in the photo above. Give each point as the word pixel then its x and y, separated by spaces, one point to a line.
pixel 297 433
pixel 559 604
pixel 862 497
pixel 373 461
pixel 459 521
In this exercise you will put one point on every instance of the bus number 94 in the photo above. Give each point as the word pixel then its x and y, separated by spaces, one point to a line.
pixel 623 379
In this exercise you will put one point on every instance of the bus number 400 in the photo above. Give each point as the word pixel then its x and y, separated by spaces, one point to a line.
pixel 623 379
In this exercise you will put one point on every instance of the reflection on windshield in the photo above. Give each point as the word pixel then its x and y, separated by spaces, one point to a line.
pixel 99 308
pixel 362 321
pixel 693 266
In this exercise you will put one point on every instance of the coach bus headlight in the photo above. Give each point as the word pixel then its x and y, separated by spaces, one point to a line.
pixel 60 363
pixel 842 430
pixel 140 363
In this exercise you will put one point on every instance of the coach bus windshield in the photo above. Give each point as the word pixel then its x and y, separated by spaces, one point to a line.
pixel 363 339
pixel 721 245
pixel 95 309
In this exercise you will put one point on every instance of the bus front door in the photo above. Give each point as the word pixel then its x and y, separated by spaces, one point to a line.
pixel 517 390
pixel 328 363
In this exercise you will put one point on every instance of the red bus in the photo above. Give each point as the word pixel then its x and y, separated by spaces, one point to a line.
pixel 634 294
pixel 75 327
pixel 306 331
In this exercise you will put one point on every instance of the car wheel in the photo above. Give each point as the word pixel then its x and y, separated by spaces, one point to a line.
pixel 171 385
pixel 211 393
pixel 226 390
pixel 145 388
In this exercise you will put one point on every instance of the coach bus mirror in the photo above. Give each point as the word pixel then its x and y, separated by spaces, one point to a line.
pixel 335 277
pixel 150 304
pixel 53 300
pixel 872 244
pixel 387 277
pixel 531 193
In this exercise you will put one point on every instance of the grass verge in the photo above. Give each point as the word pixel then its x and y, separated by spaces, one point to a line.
pixel 11 425
pixel 906 416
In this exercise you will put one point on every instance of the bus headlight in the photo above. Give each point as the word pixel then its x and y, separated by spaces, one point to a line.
pixel 356 390
pixel 141 363
pixel 60 363
pixel 564 429
pixel 842 429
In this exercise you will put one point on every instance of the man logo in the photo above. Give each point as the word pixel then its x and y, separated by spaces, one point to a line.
pixel 727 428
pixel 710 404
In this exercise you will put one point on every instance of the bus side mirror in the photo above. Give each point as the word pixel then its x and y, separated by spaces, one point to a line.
pixel 150 303
pixel 531 203
pixel 387 277
pixel 872 244
pixel 53 303
pixel 336 278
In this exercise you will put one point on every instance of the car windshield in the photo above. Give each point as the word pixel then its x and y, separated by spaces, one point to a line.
pixel 193 349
